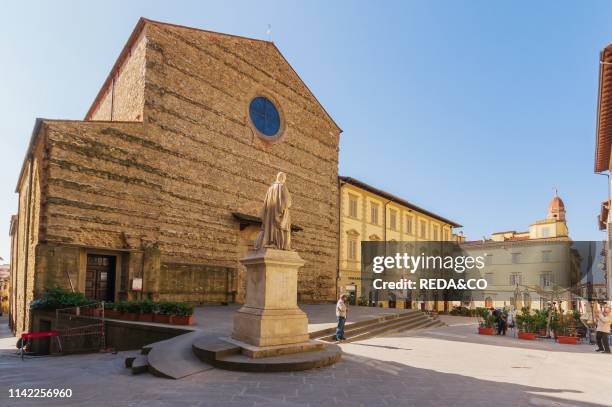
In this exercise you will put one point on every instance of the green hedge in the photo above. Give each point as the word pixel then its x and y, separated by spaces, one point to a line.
pixel 157 307
pixel 54 298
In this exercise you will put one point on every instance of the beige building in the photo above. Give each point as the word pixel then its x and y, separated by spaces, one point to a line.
pixel 156 193
pixel 371 214
pixel 528 268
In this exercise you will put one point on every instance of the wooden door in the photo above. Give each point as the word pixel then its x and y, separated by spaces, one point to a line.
pixel 100 277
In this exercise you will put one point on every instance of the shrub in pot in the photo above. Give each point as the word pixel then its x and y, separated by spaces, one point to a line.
pixel 162 312
pixel 540 321
pixel 129 310
pixel 55 298
pixel 183 314
pixel 526 322
pixel 565 329
pixel 110 311
pixel 486 323
pixel 146 308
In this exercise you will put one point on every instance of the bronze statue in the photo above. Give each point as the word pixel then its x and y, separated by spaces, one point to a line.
pixel 275 219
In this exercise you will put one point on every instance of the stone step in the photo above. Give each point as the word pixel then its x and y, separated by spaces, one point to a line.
pixel 227 356
pixel 404 326
pixel 209 349
pixel 140 364
pixel 392 327
pixel 350 331
pixel 354 325
pixel 411 321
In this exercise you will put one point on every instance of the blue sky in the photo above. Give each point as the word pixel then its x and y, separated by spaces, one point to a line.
pixel 475 110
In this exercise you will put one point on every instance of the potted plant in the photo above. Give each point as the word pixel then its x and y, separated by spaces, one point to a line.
pixel 526 323
pixel 110 311
pixel 487 322
pixel 162 312
pixel 146 308
pixel 183 314
pixel 129 310
pixel 565 329
pixel 540 321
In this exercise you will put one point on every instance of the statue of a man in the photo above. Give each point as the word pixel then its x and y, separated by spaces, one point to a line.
pixel 275 219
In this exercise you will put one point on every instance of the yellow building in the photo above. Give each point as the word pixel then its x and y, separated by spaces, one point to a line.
pixel 523 268
pixel 371 214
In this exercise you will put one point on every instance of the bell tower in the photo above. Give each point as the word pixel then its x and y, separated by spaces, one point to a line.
pixel 556 208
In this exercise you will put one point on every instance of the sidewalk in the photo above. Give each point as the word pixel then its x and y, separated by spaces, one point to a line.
pixel 7 339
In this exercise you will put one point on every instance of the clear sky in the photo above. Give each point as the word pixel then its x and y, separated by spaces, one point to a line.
pixel 475 110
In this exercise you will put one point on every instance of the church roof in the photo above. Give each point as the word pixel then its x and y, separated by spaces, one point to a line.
pixel 556 204
pixel 138 31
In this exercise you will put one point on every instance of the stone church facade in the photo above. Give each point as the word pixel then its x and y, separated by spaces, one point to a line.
pixel 155 194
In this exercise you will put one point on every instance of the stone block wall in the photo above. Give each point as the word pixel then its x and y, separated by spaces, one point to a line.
pixel 197 91
pixel 165 163
pixel 123 96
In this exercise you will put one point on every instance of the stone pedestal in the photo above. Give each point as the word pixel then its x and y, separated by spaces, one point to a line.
pixel 270 315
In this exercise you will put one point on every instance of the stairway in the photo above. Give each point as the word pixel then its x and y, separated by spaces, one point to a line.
pixel 410 320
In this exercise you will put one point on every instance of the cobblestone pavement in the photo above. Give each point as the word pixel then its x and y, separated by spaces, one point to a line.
pixel 449 366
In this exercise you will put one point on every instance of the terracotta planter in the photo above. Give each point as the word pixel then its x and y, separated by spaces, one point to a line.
pixel 182 320
pixel 111 313
pixel 530 336
pixel 145 317
pixel 161 318
pixel 541 332
pixel 568 340
pixel 129 316
pixel 485 331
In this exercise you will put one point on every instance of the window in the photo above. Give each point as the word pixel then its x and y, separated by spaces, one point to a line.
pixel 374 213
pixel 264 116
pixel 546 254
pixel 409 224
pixel 352 248
pixel 446 235
pixel 516 258
pixel 435 232
pixel 423 229
pixel 392 219
pixel 352 206
pixel 515 279
pixel 546 280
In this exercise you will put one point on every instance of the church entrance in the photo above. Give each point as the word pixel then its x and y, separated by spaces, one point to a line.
pixel 100 277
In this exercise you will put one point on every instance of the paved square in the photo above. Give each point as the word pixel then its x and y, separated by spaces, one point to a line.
pixel 448 366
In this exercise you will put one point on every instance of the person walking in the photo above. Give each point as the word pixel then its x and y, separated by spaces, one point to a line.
pixel 603 330
pixel 341 312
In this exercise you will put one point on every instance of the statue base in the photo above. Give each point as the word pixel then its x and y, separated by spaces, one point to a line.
pixel 270 315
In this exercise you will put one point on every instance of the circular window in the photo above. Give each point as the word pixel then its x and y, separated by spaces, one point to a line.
pixel 264 116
